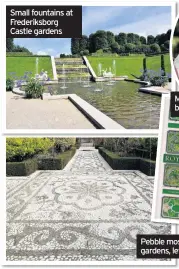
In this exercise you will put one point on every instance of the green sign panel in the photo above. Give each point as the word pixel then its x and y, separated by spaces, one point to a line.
pixel 173 125
pixel 169 158
pixel 169 191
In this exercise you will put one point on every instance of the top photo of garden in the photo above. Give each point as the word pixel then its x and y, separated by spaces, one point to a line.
pixel 113 77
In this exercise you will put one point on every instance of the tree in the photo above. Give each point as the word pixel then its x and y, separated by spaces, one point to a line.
pixel 9 44
pixel 21 49
pixel 129 47
pixel 121 49
pixel 115 48
pixel 100 40
pixel 121 38
pixel 163 65
pixel 150 39
pixel 86 52
pixel 167 44
pixel 143 40
pixel 157 39
pixel 110 38
pixel 92 43
pixel 162 39
pixel 130 38
pixel 83 43
pixel 136 39
pixel 162 47
pixel 155 48
pixel 107 50
pixel 75 46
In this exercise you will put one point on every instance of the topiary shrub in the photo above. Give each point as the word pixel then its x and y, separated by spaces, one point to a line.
pixel 24 168
pixel 34 88
pixel 9 84
pixel 163 73
pixel 57 162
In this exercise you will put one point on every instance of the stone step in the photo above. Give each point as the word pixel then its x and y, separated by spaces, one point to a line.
pixel 57 62
pixel 71 70
pixel 68 59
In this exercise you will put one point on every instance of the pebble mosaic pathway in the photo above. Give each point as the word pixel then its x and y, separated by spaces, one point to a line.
pixel 86 212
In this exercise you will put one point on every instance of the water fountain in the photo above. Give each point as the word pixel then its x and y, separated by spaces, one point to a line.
pixel 43 74
pixel 79 71
pixel 36 65
pixel 110 83
pixel 114 69
pixel 99 74
pixel 99 89
pixel 64 78
pixel 87 85
pixel 99 69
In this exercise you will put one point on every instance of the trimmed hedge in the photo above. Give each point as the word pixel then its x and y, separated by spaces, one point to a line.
pixel 55 163
pixel 29 166
pixel 17 53
pixel 128 163
pixel 147 167
pixel 24 168
pixel 22 54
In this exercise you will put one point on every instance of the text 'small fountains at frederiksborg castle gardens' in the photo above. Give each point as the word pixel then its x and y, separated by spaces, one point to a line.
pixel 108 79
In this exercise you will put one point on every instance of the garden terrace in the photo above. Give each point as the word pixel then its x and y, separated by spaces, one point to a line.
pixel 72 61
pixel 19 65
pixel 129 65
pixel 68 68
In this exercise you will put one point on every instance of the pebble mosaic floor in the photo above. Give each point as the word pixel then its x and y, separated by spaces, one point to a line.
pixel 86 212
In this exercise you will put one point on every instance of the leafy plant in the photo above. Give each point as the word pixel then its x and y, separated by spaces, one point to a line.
pixel 19 149
pixel 63 144
pixel 159 80
pixel 34 88
pixel 9 84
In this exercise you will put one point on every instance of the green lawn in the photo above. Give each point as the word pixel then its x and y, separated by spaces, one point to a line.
pixel 22 64
pixel 130 64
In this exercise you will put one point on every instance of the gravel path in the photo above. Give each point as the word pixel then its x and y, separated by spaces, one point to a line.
pixel 47 114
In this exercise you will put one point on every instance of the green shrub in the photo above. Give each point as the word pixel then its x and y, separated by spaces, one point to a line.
pixel 117 162
pixel 9 84
pixel 24 168
pixel 125 147
pixel 159 80
pixel 19 149
pixel 55 163
pixel 18 53
pixel 63 144
pixel 34 88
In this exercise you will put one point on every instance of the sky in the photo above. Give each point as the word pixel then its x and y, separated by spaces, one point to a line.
pixel 142 20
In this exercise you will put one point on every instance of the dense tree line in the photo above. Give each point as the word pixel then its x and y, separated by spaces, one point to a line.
pixel 11 47
pixel 121 43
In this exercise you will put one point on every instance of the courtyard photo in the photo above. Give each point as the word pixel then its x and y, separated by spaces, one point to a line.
pixel 79 199
pixel 112 77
